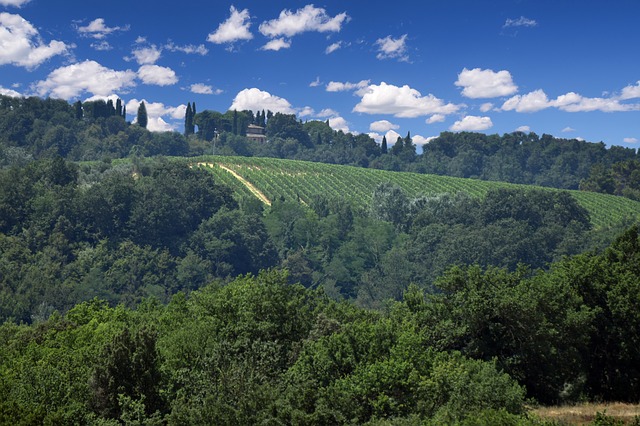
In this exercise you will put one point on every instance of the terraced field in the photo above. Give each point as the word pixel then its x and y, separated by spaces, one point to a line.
pixel 301 180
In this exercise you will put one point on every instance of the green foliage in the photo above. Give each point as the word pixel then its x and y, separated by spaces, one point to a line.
pixel 142 118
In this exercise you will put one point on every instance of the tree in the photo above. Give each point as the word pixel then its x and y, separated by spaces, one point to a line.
pixel 142 115
pixel 383 147
pixel 119 107
pixel 78 110
pixel 189 126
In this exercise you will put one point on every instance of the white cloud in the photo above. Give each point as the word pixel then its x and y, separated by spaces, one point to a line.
pixel 188 48
pixel 392 137
pixel 471 123
pixel 421 140
pixel 21 44
pixel 112 97
pixel 392 48
pixel 520 22
pixel 531 102
pixel 9 92
pixel 235 28
pixel 16 3
pixel 382 126
pixel 568 129
pixel 480 83
pixel 524 129
pixel 328 112
pixel 203 89
pixel 97 29
pixel 631 91
pixel 630 140
pixel 306 112
pixel 88 76
pixel 277 44
pixel 333 47
pixel 336 86
pixel 486 107
pixel 309 18
pixel 315 83
pixel 435 118
pixel 401 102
pixel 102 45
pixel 157 75
pixel 339 123
pixel 147 55
pixel 255 99
pixel 155 113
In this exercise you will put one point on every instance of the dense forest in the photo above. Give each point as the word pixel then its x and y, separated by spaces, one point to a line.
pixel 136 289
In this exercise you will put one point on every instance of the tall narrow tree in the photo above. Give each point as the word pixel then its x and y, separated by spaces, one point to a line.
pixel 383 147
pixel 188 120
pixel 142 115
pixel 119 107
pixel 78 110
pixel 234 128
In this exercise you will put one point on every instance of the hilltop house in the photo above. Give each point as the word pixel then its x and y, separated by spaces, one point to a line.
pixel 256 133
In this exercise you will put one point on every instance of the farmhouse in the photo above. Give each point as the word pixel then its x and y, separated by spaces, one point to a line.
pixel 256 133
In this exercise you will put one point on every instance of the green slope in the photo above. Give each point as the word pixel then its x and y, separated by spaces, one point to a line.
pixel 302 180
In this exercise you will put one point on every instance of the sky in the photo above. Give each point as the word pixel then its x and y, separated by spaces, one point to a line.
pixel 568 68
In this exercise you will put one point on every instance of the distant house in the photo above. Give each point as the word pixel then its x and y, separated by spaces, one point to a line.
pixel 256 133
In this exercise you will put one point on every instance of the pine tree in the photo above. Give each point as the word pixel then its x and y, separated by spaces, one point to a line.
pixel 383 146
pixel 142 115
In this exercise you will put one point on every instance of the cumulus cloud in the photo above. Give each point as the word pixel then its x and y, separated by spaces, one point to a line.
pixel 203 89
pixel 486 107
pixel 9 92
pixel 157 75
pixel 336 86
pixel 16 3
pixel 339 123
pixel 189 49
pixel 156 113
pixel 255 99
pixel 235 28
pixel 89 76
pixel 309 18
pixel 519 22
pixel 630 140
pixel 392 48
pixel 471 123
pixel 327 112
pixel 479 83
pixel 631 91
pixel 421 140
pixel 97 29
pixel 435 118
pixel 147 55
pixel 382 126
pixel 306 112
pixel 524 129
pixel 22 45
pixel 277 44
pixel 333 47
pixel 315 83
pixel 569 102
pixel 401 102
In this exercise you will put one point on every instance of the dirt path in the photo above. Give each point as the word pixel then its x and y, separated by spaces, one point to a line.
pixel 255 191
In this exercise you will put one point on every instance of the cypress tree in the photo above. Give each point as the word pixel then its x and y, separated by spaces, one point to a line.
pixel 188 120
pixel 235 122
pixel 111 110
pixel 119 107
pixel 124 112
pixel 78 110
pixel 142 115
pixel 383 146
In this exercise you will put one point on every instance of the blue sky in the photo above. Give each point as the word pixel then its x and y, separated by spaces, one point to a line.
pixel 569 68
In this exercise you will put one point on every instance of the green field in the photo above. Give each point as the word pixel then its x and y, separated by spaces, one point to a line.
pixel 301 180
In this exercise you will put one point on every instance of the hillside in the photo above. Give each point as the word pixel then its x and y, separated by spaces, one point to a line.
pixel 302 180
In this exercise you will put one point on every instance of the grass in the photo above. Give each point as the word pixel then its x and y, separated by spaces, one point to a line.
pixel 584 414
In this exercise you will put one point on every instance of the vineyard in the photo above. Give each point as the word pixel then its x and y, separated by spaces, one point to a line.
pixel 301 180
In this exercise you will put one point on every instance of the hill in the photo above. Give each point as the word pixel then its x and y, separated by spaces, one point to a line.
pixel 301 180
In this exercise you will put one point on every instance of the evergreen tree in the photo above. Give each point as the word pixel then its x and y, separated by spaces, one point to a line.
pixel 234 128
pixel 78 110
pixel 111 110
pixel 119 107
pixel 383 147
pixel 263 120
pixel 124 112
pixel 142 115
pixel 193 109
pixel 188 120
